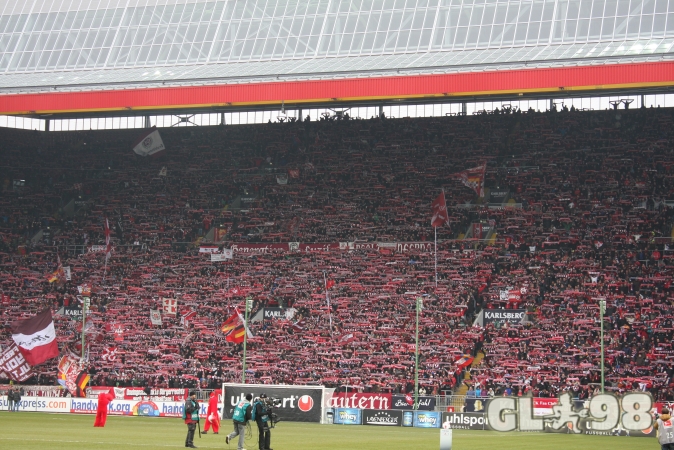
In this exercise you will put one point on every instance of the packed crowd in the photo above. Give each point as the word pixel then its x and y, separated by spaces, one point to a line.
pixel 576 210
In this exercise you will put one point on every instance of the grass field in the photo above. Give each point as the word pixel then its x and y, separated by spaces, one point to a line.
pixel 71 432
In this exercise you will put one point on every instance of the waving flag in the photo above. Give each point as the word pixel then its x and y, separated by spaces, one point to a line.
pixel 346 338
pixel 187 317
pixel 71 377
pixel 474 178
pixel 109 354
pixel 14 365
pixel 234 329
pixel 464 361
pixel 149 143
pixel 36 338
pixel 170 306
pixel 59 274
pixel 439 207
pixel 155 317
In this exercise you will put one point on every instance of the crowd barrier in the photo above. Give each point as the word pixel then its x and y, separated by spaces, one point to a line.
pixel 321 405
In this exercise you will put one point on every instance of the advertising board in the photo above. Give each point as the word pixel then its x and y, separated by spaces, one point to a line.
pixel 348 416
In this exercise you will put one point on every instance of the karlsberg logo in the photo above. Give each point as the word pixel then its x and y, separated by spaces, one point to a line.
pixel 305 403
pixel 382 418
pixel 147 142
pixel 501 315
pixel 425 418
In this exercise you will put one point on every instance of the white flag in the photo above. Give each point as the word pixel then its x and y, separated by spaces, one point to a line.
pixel 149 143
pixel 155 317
pixel 226 254
pixel 170 305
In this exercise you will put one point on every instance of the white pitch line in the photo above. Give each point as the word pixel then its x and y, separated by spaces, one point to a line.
pixel 93 442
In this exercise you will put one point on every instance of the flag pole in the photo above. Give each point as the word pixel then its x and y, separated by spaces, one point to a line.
pixel 436 258
pixel 84 323
pixel 416 358
pixel 327 299
pixel 245 339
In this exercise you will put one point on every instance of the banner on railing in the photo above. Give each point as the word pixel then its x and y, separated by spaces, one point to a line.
pixel 139 393
pixel 398 247
pixel 361 400
pixel 90 405
pixel 426 403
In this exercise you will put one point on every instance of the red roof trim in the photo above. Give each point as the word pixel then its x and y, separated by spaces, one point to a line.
pixel 420 86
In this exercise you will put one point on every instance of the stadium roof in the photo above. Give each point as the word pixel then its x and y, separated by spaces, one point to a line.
pixel 242 52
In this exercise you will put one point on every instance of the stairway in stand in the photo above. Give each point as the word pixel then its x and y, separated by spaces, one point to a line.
pixel 457 402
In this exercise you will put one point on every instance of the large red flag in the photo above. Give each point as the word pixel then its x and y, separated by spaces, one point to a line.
pixel 439 207
pixel 36 338
pixel 474 178
pixel 14 365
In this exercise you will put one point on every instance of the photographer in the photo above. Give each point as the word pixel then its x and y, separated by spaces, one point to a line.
pixel 191 417
pixel 262 417
pixel 240 416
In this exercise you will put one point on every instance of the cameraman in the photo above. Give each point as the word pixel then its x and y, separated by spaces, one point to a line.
pixel 262 417
pixel 240 416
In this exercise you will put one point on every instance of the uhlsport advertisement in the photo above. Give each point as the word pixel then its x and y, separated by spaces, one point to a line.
pixel 296 403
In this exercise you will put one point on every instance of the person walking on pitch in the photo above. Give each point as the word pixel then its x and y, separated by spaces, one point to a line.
pixel 240 417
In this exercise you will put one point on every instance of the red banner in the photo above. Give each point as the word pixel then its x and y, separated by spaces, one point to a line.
pixel 14 365
pixel 260 248
pixel 308 248
pixel 397 247
pixel 360 401
pixel 138 393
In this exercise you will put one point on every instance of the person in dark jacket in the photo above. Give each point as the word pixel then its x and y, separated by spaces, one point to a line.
pixel 18 393
pixel 10 399
pixel 262 417
pixel 191 416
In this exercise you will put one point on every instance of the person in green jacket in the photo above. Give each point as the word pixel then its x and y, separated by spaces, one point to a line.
pixel 240 416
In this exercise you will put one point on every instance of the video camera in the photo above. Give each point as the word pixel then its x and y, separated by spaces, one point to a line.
pixel 269 404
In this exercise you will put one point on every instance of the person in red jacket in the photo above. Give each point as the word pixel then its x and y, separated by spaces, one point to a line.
pixel 102 410
pixel 213 414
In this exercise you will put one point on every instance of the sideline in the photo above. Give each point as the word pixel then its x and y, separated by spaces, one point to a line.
pixel 125 444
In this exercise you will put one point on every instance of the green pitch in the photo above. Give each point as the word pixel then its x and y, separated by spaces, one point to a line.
pixel 72 432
